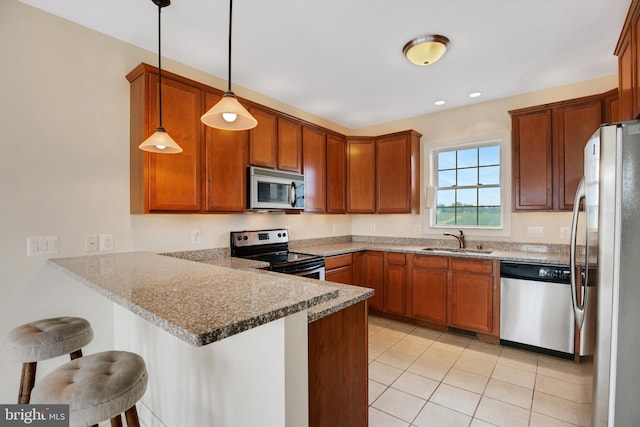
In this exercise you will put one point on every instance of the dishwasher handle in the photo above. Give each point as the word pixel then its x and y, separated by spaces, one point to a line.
pixel 578 308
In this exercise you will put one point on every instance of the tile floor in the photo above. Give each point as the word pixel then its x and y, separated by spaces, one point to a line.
pixel 422 378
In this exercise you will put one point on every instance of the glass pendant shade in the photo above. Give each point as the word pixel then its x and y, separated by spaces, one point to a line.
pixel 229 114
pixel 160 142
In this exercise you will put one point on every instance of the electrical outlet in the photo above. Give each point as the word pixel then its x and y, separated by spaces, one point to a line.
pixel 195 235
pixel 417 228
pixel 105 242
pixel 91 243
pixel 335 228
pixel 42 245
pixel 565 232
pixel 537 231
pixel 372 227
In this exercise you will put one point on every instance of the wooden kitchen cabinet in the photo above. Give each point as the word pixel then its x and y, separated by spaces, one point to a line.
pixel 161 182
pixel 338 268
pixel 395 283
pixel 398 173
pixel 314 165
pixel 368 271
pixel 361 175
pixel 472 294
pixel 226 158
pixel 628 53
pixel 548 143
pixel 429 284
pixel 263 139
pixel 289 145
pixel 336 174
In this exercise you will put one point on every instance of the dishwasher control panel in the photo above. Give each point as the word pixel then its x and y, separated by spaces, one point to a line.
pixel 539 272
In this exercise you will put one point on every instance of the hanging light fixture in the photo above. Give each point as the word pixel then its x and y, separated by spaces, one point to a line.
pixel 160 141
pixel 426 50
pixel 228 113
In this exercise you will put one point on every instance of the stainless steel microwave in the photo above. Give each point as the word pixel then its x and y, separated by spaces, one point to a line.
pixel 274 189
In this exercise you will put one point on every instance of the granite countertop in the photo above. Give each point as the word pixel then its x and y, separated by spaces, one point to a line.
pixel 197 302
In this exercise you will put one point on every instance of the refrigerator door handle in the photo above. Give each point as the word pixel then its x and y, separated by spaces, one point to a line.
pixel 578 308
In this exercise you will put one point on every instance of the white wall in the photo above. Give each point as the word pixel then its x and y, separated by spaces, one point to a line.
pixel 64 135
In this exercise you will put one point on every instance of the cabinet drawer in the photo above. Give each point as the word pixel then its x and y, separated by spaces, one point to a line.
pixel 472 265
pixel 337 261
pixel 396 258
pixel 431 261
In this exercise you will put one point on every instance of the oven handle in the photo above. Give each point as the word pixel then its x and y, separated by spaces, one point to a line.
pixel 297 270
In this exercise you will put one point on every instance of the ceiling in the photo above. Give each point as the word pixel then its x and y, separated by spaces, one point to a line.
pixel 342 59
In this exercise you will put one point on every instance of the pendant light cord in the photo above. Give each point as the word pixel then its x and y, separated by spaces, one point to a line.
pixel 229 64
pixel 159 68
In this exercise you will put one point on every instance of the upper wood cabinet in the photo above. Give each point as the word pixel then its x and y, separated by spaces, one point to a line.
pixel 383 173
pixel 628 52
pixel 314 166
pixel 165 182
pixel 336 174
pixel 263 139
pixel 548 143
pixel 226 156
pixel 289 145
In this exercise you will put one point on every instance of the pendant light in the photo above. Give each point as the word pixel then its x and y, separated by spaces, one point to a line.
pixel 228 113
pixel 160 141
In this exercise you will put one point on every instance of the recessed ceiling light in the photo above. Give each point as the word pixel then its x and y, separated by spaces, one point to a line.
pixel 475 94
pixel 440 102
pixel 425 50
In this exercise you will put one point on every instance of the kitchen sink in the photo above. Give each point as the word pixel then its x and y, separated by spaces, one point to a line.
pixel 458 250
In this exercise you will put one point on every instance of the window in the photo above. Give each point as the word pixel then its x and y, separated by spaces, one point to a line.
pixel 468 191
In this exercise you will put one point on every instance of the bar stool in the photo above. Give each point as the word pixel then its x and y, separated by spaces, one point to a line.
pixel 97 388
pixel 45 339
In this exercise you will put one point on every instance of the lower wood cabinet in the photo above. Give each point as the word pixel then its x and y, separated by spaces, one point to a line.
pixel 339 269
pixel 395 283
pixel 338 375
pixel 472 292
pixel 429 283
pixel 368 271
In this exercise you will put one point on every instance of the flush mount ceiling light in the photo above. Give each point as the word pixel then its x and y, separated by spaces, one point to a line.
pixel 228 113
pixel 160 141
pixel 426 50
pixel 475 94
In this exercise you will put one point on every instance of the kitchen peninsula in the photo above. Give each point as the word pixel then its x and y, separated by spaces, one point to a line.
pixel 235 339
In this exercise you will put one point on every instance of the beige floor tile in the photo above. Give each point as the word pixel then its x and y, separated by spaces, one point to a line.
pixel 455 339
pixel 562 409
pixel 440 355
pixel 430 369
pixel 501 413
pixel 509 393
pixel 425 333
pixel 467 362
pixel 374 329
pixel 376 350
pixel 379 321
pixel 566 370
pixel 384 374
pixel 375 390
pixel 413 348
pixel 400 326
pixel 519 359
pixel 448 346
pixel 539 420
pixel 479 423
pixel 433 415
pixel 466 380
pixel 399 404
pixel 384 338
pixel 397 358
pixel 416 385
pixel 455 398
pixel 378 418
pixel 515 376
pixel 490 351
pixel 580 393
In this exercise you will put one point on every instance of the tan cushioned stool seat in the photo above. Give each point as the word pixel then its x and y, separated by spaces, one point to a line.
pixel 47 338
pixel 96 387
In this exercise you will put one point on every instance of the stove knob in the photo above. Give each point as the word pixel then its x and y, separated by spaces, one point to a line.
pixel 284 234
pixel 246 238
pixel 239 237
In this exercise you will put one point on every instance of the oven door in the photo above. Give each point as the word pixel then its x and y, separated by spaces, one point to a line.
pixel 314 271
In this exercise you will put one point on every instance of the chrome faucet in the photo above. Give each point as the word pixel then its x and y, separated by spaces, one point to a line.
pixel 460 238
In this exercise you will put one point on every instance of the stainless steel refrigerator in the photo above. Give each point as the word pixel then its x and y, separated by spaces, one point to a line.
pixel 610 267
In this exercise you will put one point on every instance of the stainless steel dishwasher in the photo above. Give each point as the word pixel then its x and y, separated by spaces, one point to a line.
pixel 535 307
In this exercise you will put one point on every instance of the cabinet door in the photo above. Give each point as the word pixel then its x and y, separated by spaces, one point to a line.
pixel 532 161
pixel 226 156
pixel 625 79
pixel 336 174
pixel 395 278
pixel 429 280
pixel 361 176
pixel 263 139
pixel 339 269
pixel 393 175
pixel 314 154
pixel 368 271
pixel 574 126
pixel 612 107
pixel 174 180
pixel 471 301
pixel 289 145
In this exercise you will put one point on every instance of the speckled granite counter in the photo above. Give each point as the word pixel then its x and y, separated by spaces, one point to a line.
pixel 197 302
pixel 505 255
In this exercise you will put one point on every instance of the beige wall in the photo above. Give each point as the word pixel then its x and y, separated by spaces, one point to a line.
pixel 64 134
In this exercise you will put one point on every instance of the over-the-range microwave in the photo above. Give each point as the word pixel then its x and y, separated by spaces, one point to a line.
pixel 274 189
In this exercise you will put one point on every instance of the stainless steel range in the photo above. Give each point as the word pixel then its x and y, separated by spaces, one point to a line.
pixel 272 246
